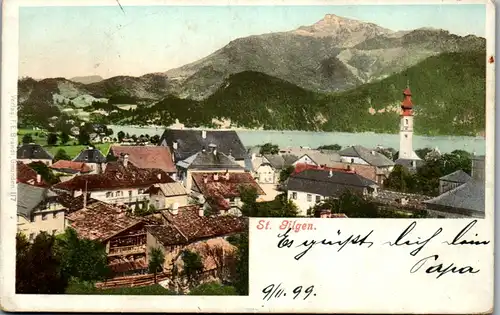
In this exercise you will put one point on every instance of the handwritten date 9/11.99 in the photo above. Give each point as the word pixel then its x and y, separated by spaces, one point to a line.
pixel 278 291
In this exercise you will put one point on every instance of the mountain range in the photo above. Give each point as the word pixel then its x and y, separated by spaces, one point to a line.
pixel 335 56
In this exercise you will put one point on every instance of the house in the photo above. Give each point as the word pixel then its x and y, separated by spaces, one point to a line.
pixel 211 161
pixel 363 156
pixel 187 226
pixel 167 195
pixel 453 180
pixel 29 176
pixel 220 192
pixel 123 235
pixel 146 157
pixel 69 169
pixel 463 201
pixel 267 168
pixel 93 158
pixel 327 213
pixel 39 210
pixel 184 143
pixel 122 184
pixel 311 186
pixel 28 153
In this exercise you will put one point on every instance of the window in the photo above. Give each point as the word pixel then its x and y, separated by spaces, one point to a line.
pixel 54 215
pixel 141 191
pixel 130 193
pixel 44 216
pixel 109 194
pixel 54 232
pixel 309 197
pixel 352 160
pixel 318 198
pixel 406 136
pixel 294 195
pixel 406 121
pixel 32 236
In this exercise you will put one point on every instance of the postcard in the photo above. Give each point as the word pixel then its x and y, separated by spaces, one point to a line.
pixel 248 156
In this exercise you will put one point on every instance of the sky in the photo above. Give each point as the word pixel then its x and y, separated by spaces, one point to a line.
pixel 106 41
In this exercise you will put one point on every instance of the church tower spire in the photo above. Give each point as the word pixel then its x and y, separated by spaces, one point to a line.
pixel 406 126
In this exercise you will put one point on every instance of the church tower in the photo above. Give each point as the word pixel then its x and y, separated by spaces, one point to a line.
pixel 406 128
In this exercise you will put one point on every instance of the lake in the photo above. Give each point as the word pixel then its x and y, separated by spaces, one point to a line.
pixel 315 139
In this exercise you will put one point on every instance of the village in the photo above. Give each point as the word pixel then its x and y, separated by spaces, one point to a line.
pixel 194 191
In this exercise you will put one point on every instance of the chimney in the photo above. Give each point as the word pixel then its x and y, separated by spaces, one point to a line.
pixel 175 208
pixel 38 178
pixel 159 176
pixel 203 134
pixel 215 151
pixel 174 145
pixel 205 179
pixel 85 197
pixel 373 152
pixel 227 175
pixel 200 212
pixel 125 160
pixel 330 173
pixel 216 177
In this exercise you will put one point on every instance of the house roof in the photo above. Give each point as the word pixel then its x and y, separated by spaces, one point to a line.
pixel 469 196
pixel 458 176
pixel 27 175
pixel 216 191
pixel 147 156
pixel 187 226
pixel 33 152
pixel 71 167
pixel 90 155
pixel 322 158
pixel 372 157
pixel 278 161
pixel 208 160
pixel 167 189
pixel 29 197
pixel 73 204
pixel 319 182
pixel 116 176
pixel 100 221
pixel 190 142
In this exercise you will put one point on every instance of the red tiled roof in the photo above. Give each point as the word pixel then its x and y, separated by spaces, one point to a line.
pixel 216 191
pixel 74 203
pixel 300 167
pixel 71 165
pixel 147 156
pixel 27 175
pixel 100 221
pixel 187 226
pixel 116 176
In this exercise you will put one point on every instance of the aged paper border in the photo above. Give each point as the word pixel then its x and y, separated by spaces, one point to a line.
pixel 11 301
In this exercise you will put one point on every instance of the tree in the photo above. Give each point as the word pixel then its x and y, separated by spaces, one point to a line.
pixel 156 261
pixel 422 153
pixel 269 148
pixel 334 147
pixel 108 132
pixel 83 137
pixel 46 173
pixel 64 138
pixel 82 260
pixel 121 135
pixel 241 277
pixel 400 179
pixel 285 173
pixel 27 138
pixel 38 268
pixel 61 155
pixel 351 204
pixel 51 139
pixel 193 265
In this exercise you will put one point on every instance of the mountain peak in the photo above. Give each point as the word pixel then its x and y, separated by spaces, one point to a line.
pixel 348 31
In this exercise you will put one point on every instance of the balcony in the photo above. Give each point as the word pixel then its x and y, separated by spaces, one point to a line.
pixel 127 250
